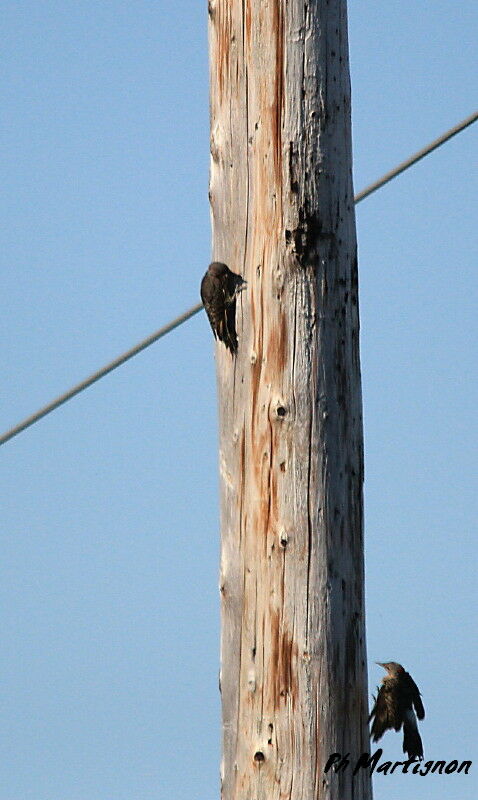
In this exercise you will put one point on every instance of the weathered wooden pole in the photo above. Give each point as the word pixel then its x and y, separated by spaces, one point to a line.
pixel 293 672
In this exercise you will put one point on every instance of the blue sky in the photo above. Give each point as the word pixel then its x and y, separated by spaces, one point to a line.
pixel 109 546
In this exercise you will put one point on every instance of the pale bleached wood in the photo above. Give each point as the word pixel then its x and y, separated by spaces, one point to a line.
pixel 293 674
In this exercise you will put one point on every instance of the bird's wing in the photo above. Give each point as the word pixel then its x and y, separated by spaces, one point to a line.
pixel 384 714
pixel 220 310
pixel 231 327
pixel 415 697
pixel 224 316
pixel 212 295
pixel 419 706
pixel 372 713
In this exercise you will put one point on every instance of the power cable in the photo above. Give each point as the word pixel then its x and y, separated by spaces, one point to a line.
pixel 170 326
pixel 96 376
pixel 417 157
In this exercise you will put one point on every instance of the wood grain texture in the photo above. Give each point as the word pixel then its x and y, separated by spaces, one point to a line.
pixel 293 672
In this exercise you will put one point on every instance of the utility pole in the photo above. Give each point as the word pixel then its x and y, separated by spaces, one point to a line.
pixel 293 658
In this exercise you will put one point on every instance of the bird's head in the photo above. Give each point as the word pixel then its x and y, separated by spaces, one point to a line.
pixel 391 666
pixel 235 283
pixel 217 269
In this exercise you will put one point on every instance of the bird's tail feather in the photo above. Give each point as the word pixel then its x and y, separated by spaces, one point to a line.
pixel 412 743
pixel 227 334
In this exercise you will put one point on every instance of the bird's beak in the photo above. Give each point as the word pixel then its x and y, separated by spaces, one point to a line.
pixel 380 664
pixel 241 286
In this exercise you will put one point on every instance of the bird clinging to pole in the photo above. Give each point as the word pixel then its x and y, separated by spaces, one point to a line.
pixel 219 290
pixel 397 698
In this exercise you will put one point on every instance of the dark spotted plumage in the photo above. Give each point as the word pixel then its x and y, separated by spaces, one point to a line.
pixel 219 289
pixel 397 698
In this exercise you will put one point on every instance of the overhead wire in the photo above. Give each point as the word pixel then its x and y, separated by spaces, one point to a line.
pixel 409 162
pixel 170 326
pixel 100 373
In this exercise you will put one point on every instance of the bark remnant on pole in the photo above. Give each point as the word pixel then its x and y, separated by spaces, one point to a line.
pixel 293 659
